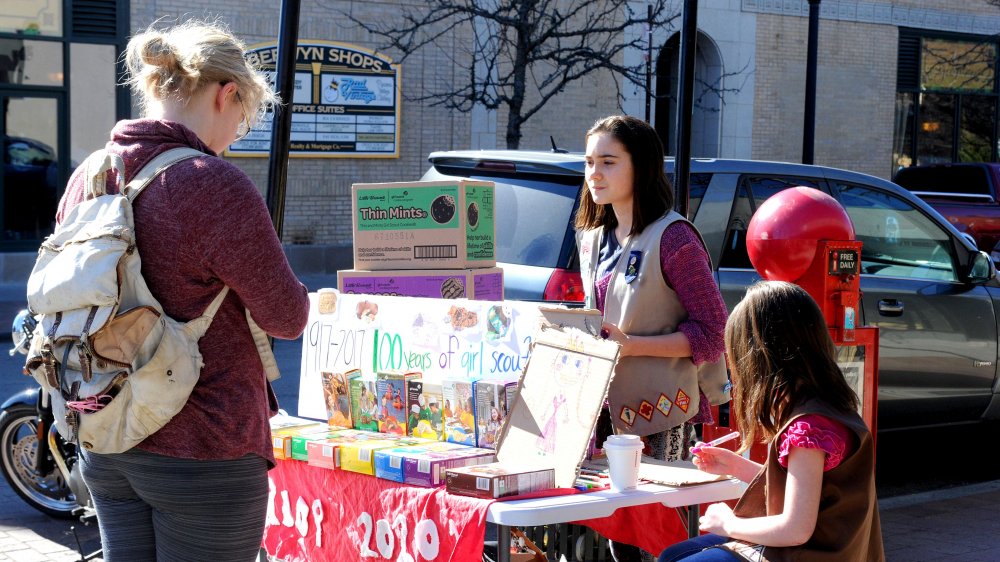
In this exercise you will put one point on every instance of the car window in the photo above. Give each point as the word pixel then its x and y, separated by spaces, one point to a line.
pixel 697 185
pixel 533 218
pixel 945 179
pixel 899 240
pixel 751 193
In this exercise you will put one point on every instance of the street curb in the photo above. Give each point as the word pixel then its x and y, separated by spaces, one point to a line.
pixel 909 500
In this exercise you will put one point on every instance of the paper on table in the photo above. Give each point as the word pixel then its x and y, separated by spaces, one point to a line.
pixel 675 473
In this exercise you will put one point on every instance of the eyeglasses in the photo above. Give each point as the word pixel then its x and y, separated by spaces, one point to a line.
pixel 243 129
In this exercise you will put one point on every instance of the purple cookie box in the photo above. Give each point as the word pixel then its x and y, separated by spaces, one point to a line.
pixel 427 468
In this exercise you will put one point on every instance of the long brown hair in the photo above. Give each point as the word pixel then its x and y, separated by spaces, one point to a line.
pixel 780 354
pixel 652 195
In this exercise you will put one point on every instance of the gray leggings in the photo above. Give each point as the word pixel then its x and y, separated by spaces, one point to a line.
pixel 156 508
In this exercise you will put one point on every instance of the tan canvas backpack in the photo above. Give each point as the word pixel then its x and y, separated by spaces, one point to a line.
pixel 116 367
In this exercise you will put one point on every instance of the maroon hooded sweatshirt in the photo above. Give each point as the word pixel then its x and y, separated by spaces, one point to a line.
pixel 202 225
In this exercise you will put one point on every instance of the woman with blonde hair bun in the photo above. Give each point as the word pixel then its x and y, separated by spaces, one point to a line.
pixel 197 488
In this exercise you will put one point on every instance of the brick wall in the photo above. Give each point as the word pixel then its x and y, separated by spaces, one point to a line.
pixel 856 92
pixel 856 81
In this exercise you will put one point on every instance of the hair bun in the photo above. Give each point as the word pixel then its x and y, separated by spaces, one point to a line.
pixel 157 52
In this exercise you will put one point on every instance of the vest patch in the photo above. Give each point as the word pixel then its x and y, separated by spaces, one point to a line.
pixel 627 416
pixel 646 410
pixel 632 266
pixel 682 400
pixel 664 405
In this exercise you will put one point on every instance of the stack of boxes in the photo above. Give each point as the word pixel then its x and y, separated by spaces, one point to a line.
pixel 416 239
pixel 424 239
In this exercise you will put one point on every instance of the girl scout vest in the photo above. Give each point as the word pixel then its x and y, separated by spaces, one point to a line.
pixel 648 394
pixel 847 527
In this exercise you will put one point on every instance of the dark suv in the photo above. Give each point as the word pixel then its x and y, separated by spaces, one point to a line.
pixel 931 293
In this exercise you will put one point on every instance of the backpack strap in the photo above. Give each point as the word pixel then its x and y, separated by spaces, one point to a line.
pixel 155 167
pixel 213 307
pixel 134 188
pixel 97 166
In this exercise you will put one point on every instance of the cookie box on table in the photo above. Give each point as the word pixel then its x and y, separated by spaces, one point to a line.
pixel 424 412
pixel 425 465
pixel 424 225
pixel 300 450
pixel 485 284
pixel 390 389
pixel 325 453
pixel 459 412
pixel 360 455
pixel 493 399
pixel 282 431
pixel 497 480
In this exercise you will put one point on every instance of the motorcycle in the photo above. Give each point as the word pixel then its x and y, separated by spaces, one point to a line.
pixel 38 464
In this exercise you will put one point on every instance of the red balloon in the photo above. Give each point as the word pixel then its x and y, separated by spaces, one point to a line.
pixel 782 235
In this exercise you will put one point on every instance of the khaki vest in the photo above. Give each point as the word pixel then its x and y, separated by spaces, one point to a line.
pixel 648 394
pixel 847 528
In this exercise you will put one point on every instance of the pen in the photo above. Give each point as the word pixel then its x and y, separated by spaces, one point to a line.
pixel 717 442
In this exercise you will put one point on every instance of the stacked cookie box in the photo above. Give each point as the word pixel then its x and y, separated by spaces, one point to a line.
pixel 433 239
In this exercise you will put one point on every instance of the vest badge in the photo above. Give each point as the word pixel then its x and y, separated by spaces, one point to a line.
pixel 632 266
pixel 627 415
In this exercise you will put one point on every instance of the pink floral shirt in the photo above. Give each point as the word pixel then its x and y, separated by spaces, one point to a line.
pixel 813 431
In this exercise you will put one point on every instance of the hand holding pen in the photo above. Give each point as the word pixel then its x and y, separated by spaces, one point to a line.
pixel 715 442
pixel 708 458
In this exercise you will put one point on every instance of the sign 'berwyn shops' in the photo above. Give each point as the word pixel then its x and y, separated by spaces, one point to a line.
pixel 345 102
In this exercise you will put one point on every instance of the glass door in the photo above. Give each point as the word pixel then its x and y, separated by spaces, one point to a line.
pixel 31 181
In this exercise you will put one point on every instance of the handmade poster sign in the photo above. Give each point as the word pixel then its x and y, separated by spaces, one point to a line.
pixel 561 393
pixel 440 338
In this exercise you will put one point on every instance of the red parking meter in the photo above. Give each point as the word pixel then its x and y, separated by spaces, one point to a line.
pixel 803 236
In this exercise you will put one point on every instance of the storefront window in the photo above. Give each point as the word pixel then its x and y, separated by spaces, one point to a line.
pixel 934 128
pixel 32 17
pixel 92 98
pixel 946 100
pixel 902 138
pixel 25 62
pixel 30 180
pixel 978 117
pixel 957 65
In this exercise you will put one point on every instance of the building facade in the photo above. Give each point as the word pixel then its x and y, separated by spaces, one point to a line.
pixel 899 82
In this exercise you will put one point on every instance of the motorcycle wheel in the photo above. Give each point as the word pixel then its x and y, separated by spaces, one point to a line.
pixel 48 493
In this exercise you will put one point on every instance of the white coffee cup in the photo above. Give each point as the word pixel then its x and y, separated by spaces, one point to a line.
pixel 624 453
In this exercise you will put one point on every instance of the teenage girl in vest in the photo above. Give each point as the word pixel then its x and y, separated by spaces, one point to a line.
pixel 814 498
pixel 646 268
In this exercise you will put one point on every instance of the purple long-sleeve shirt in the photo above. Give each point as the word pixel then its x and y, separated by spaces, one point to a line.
pixel 201 225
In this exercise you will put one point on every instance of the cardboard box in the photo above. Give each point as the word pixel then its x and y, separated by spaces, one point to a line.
pixel 336 396
pixel 359 456
pixel 424 225
pixel 429 469
pixel 325 453
pixel 459 412
pixel 389 462
pixel 424 417
pixel 390 387
pixel 493 399
pixel 299 442
pixel 281 439
pixel 364 404
pixel 498 480
pixel 484 284
pixel 425 465
pixel 554 413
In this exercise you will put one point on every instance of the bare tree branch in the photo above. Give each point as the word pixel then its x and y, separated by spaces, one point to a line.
pixel 544 45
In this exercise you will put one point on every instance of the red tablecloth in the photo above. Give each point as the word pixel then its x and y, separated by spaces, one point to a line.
pixel 319 515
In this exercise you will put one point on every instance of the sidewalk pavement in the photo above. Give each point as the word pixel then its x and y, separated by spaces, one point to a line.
pixel 956 524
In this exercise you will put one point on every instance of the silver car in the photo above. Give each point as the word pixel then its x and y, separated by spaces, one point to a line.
pixel 931 293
